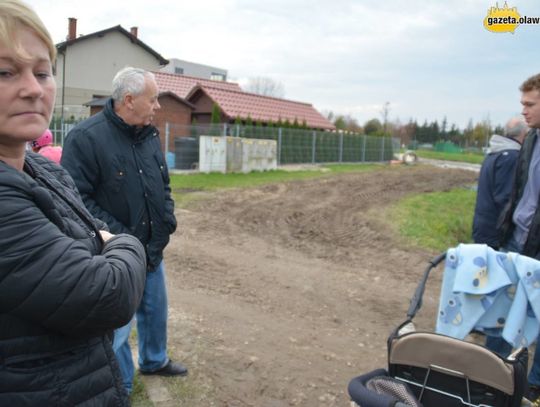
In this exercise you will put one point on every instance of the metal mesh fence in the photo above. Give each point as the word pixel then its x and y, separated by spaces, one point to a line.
pixel 295 146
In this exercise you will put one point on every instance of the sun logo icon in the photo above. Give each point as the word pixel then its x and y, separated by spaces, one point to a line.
pixel 502 20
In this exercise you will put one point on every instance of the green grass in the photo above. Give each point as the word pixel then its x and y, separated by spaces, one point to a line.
pixel 474 158
pixel 213 181
pixel 186 391
pixel 184 184
pixel 193 390
pixel 139 397
pixel 340 168
pixel 436 220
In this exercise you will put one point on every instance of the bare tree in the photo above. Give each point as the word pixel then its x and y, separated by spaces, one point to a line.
pixel 265 86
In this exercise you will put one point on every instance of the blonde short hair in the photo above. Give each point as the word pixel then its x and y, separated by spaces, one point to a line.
pixel 14 15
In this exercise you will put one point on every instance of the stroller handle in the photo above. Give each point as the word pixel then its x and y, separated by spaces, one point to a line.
pixel 416 300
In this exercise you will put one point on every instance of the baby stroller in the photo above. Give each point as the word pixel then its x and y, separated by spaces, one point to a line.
pixel 429 369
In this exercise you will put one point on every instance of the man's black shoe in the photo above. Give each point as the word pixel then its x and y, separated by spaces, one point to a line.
pixel 534 395
pixel 170 369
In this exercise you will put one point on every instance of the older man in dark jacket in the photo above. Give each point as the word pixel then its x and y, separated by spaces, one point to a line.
pixel 116 161
pixel 496 180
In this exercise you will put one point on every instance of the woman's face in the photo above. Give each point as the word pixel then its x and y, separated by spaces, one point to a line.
pixel 27 90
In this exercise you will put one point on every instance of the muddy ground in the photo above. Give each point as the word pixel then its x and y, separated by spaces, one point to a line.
pixel 279 295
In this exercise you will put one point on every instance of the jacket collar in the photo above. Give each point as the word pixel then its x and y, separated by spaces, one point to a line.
pixel 136 133
pixel 501 143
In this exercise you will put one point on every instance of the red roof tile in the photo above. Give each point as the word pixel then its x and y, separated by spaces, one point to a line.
pixel 236 103
pixel 182 84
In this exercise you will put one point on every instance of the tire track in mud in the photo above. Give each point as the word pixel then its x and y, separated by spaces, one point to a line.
pixel 317 215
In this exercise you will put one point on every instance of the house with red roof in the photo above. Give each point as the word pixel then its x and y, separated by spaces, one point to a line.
pixel 182 85
pixel 236 104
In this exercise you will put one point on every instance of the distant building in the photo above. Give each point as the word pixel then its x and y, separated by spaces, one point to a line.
pixel 87 64
pixel 235 104
pixel 183 84
pixel 181 67
pixel 239 105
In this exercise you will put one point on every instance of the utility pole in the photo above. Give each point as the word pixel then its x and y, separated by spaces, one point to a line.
pixel 487 128
pixel 384 113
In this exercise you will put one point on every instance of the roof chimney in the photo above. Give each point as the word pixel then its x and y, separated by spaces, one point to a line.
pixel 72 30
pixel 134 31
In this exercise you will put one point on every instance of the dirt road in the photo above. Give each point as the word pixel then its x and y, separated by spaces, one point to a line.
pixel 280 295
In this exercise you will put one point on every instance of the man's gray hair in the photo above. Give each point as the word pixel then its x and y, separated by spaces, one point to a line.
pixel 129 80
pixel 515 127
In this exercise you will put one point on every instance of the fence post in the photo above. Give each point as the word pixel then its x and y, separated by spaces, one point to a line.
pixel 382 148
pixel 340 147
pixel 62 126
pixel 55 134
pixel 224 129
pixel 166 138
pixel 313 146
pixel 63 132
pixel 237 130
pixel 364 149
pixel 279 147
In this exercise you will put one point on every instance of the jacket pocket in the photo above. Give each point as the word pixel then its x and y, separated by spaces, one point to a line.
pixel 54 378
pixel 168 216
pixel 43 361
pixel 162 167
pixel 37 377
pixel 118 174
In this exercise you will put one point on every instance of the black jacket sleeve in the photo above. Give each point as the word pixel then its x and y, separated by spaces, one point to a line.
pixel 50 279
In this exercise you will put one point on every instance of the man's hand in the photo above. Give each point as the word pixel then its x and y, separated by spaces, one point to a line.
pixel 105 235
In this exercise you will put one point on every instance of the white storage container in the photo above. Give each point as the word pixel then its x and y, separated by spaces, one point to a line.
pixel 234 154
pixel 212 154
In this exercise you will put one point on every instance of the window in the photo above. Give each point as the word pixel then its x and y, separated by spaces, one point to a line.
pixel 217 76
pixel 178 70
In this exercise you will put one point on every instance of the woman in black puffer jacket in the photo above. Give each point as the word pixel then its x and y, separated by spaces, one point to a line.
pixel 65 282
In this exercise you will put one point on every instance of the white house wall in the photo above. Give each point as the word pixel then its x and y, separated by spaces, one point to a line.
pixel 92 63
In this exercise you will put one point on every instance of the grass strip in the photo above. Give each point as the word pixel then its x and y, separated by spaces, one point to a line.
pixel 184 184
pixel 436 220
pixel 473 158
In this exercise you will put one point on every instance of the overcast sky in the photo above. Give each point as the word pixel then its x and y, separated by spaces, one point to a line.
pixel 429 59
